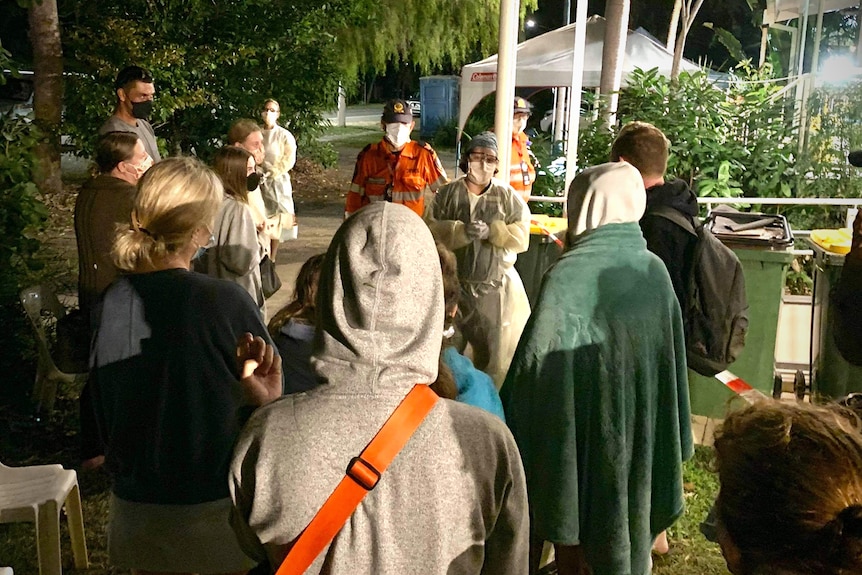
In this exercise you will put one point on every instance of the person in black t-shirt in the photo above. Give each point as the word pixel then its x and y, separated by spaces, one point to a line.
pixel 179 360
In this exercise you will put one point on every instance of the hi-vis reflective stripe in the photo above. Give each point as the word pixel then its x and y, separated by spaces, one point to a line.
pixel 438 183
pixel 399 196
pixel 407 196
pixel 357 189
pixel 740 387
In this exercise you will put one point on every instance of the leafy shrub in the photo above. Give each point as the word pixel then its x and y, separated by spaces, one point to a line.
pixel 21 213
pixel 446 134
pixel 550 176
pixel 320 152
pixel 20 209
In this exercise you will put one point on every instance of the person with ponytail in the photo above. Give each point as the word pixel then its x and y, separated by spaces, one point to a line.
pixel 790 501
pixel 179 360
pixel 235 254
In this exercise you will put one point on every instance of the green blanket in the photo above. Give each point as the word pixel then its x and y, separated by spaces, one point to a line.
pixel 597 399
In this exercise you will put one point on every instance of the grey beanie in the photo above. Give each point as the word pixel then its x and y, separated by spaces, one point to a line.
pixel 481 140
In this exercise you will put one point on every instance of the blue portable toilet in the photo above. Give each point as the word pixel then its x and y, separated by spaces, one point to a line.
pixel 439 98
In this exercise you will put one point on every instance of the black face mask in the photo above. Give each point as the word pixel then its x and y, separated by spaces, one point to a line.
pixel 252 182
pixel 142 110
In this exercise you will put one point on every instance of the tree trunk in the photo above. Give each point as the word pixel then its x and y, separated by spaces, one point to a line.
pixel 677 54
pixel 48 91
pixel 613 53
pixel 687 17
pixel 674 24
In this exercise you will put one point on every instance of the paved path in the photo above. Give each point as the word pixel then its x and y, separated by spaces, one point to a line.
pixel 317 225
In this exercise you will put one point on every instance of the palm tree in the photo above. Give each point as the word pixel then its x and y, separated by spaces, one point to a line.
pixel 613 52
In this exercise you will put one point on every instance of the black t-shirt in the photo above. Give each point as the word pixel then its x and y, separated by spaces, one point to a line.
pixel 166 383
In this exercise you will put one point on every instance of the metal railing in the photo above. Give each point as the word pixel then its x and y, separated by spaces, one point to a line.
pixel 709 202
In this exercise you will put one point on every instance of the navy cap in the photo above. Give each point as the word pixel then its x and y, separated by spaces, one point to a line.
pixel 397 111
pixel 522 106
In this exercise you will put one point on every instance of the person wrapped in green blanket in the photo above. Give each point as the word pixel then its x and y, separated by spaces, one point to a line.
pixel 597 393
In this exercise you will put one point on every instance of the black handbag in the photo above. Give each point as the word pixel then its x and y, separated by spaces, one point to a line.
pixel 269 280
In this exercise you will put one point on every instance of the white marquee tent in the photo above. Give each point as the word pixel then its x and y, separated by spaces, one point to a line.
pixel 546 61
pixel 783 10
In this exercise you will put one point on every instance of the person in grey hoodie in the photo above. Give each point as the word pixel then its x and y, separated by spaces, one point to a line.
pixel 453 501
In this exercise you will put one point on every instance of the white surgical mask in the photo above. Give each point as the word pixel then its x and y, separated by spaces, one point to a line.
pixel 269 118
pixel 519 124
pixel 479 172
pixel 141 169
pixel 398 134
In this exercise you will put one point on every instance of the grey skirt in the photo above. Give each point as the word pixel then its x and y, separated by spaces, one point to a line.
pixel 175 538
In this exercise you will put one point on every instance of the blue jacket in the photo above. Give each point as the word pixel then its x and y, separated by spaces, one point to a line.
pixel 474 387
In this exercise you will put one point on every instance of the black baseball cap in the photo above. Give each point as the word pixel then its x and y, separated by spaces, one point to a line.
pixel 397 111
pixel 522 106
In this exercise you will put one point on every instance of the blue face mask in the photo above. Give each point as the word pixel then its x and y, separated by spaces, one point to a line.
pixel 202 250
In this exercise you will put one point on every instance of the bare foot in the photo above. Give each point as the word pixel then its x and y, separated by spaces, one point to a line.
pixel 661 545
pixel 93 463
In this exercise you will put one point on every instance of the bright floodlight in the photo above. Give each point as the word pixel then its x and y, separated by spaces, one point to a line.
pixel 838 69
pixel 530 23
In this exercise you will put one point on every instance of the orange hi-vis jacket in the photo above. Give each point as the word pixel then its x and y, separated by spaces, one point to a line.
pixel 522 174
pixel 402 178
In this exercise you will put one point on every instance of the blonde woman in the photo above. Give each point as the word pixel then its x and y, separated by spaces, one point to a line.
pixel 280 147
pixel 168 387
pixel 235 254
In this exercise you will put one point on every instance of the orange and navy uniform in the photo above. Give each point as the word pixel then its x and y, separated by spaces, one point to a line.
pixel 522 173
pixel 403 177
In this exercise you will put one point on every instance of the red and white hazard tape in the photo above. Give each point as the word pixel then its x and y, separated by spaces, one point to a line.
pixel 548 233
pixel 740 387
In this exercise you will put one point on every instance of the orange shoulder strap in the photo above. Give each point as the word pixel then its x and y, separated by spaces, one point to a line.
pixel 363 473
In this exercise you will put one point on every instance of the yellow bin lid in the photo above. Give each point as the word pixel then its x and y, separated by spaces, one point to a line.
pixel 552 224
pixel 837 241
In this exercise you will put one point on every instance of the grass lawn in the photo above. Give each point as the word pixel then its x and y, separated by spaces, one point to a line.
pixel 690 553
pixel 352 136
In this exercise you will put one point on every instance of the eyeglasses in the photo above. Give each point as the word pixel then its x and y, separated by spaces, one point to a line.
pixel 488 160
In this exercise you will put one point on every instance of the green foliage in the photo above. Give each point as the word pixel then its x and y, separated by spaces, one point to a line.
pixel 6 63
pixel 426 33
pixel 481 118
pixel 319 152
pixel 21 212
pixel 724 143
pixel 550 179
pixel 729 41
pixel 212 63
pixel 446 135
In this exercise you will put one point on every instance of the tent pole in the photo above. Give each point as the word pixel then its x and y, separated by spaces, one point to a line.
pixel 575 96
pixel 801 87
pixel 506 59
pixel 818 36
pixel 559 111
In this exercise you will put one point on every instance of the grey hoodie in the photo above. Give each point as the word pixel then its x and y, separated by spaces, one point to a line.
pixel 453 502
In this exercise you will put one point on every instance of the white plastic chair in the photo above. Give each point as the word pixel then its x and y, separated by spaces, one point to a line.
pixel 42 306
pixel 36 494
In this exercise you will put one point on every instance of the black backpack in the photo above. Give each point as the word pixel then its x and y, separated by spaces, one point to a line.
pixel 716 313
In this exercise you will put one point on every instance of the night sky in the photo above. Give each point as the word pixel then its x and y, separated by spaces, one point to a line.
pixel 654 16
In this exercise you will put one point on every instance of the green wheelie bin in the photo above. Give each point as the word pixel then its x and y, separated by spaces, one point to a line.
pixel 832 377
pixel 544 250
pixel 765 261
